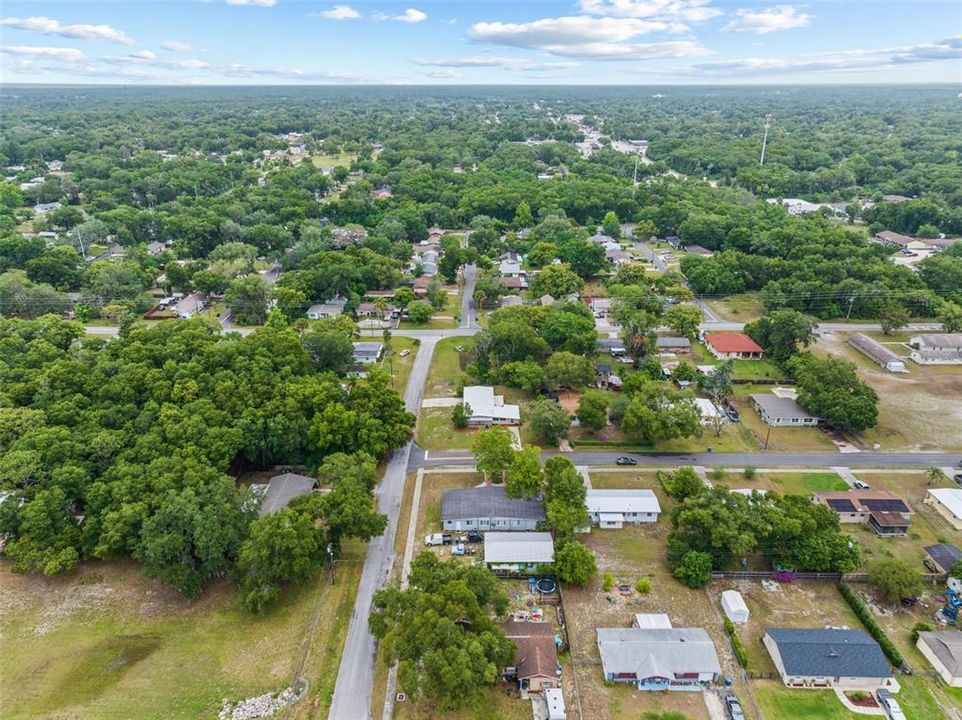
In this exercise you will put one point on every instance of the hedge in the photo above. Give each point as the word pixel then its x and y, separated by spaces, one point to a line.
pixel 740 652
pixel 874 629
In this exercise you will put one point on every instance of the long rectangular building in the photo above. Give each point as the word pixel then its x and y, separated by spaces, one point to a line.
pixel 489 508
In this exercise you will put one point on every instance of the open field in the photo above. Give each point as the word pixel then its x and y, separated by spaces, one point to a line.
pixel 787 483
pixel 325 160
pixel 108 642
pixel 401 366
pixel 436 431
pixel 918 410
pixel 445 373
pixel 738 308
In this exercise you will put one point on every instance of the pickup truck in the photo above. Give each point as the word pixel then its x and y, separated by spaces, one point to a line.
pixel 438 539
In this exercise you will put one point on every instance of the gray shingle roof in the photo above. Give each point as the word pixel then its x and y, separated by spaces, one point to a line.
pixel 282 489
pixel 944 554
pixel 659 652
pixel 814 652
pixel 488 501
pixel 947 647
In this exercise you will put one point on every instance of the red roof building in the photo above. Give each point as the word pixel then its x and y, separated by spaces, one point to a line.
pixel 733 346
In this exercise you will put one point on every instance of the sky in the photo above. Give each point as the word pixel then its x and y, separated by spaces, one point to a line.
pixel 593 42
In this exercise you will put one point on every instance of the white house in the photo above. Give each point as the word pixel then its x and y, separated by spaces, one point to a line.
pixel 936 349
pixel 734 606
pixel 658 659
pixel 614 508
pixel 943 649
pixel 488 408
pixel 709 412
pixel 518 552
pixel 367 352
pixel 947 502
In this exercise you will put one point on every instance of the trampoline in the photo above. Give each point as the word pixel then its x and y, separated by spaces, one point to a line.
pixel 546 586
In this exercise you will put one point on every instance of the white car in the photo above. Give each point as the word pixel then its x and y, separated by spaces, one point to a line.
pixel 404 353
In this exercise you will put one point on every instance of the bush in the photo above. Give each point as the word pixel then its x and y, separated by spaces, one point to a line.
pixel 607 582
pixel 694 570
pixel 874 629
pixel 749 472
pixel 717 474
pixel 740 652
pixel 643 586
pixel 920 627
pixel 460 415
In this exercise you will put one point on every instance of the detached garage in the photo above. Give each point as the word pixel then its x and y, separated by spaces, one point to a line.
pixel 734 606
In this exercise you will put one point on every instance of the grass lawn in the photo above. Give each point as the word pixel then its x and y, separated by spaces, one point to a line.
pixel 744 308
pixel 780 439
pixel 778 701
pixel 108 642
pixel 787 483
pixel 333 160
pixel 497 705
pixel 401 365
pixel 432 324
pixel 436 431
pixel 756 370
pixel 445 371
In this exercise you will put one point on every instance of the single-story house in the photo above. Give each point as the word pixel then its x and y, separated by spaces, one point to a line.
pixel 281 489
pixel 658 659
pixel 651 621
pixel 936 349
pixel 614 346
pixel 555 701
pixel 710 414
pixel 943 649
pixel 782 411
pixel 46 207
pixel 369 310
pixel 614 508
pixel 420 285
pixel 734 606
pixel 673 345
pixel 509 267
pixel 513 282
pixel 511 301
pixel 155 248
pixel 605 377
pixel 887 237
pixel 941 557
pixel 601 239
pixel 947 502
pixel 618 257
pixel 828 658
pixel 331 308
pixel 877 352
pixel 885 512
pixel 698 250
pixel 733 346
pixel 536 659
pixel 795 206
pixel 600 306
pixel 488 408
pixel 488 508
pixel 367 352
pixel 190 305
pixel 524 552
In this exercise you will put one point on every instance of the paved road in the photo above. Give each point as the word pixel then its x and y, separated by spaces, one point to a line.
pixel 759 460
pixel 352 693
pixel 468 315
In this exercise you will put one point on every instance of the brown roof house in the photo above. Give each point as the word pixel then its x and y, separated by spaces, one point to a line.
pixel 733 346
pixel 536 660
pixel 885 512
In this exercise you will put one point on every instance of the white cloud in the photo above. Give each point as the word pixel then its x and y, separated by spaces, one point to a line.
pixel 835 62
pixel 411 15
pixel 177 46
pixel 486 61
pixel 49 26
pixel 338 12
pixel 763 22
pixel 59 53
pixel 442 74
pixel 258 3
pixel 598 38
pixel 675 10
pixel 144 54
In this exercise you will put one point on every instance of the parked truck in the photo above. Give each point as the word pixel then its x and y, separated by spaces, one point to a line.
pixel 438 539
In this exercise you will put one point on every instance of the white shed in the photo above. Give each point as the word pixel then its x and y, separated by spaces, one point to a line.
pixel 734 606
pixel 556 704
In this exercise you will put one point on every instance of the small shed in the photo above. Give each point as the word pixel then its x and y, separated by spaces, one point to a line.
pixel 734 606
pixel 556 704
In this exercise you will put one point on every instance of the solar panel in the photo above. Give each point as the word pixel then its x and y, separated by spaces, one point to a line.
pixel 841 505
pixel 885 505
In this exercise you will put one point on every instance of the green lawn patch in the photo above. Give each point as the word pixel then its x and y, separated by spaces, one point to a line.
pixel 445 372
pixel 436 431
pixel 777 701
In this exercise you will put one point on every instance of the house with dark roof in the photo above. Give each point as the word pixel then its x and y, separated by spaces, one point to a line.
pixel 943 649
pixel 536 657
pixel 658 658
pixel 281 489
pixel 733 346
pixel 828 658
pixel 782 411
pixel 489 508
pixel 673 345
pixel 887 237
pixel 941 557
pixel 885 512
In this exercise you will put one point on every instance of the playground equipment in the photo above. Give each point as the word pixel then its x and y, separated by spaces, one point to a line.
pixel 950 610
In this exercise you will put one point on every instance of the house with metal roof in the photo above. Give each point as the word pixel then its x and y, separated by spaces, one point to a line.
pixel 673 345
pixel 936 349
pixel 885 512
pixel 877 352
pixel 614 508
pixel 281 489
pixel 828 658
pixel 489 508
pixel 658 658
pixel 947 502
pixel 488 408
pixel 512 553
pixel 782 411
pixel 943 649
pixel 367 352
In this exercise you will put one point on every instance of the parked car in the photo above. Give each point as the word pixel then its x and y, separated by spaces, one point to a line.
pixel 958 478
pixel 474 536
pixel 733 415
pixel 438 539
pixel 404 353
pixel 625 460
pixel 859 485
pixel 734 708
pixel 457 549
pixel 889 705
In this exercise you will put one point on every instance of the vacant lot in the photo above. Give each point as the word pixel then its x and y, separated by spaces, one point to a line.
pixel 738 308
pixel 436 431
pixel 918 410
pixel 400 367
pixel 787 483
pixel 446 366
pixel 109 643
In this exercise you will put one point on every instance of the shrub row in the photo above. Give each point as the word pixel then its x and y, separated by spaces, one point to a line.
pixel 874 629
pixel 740 652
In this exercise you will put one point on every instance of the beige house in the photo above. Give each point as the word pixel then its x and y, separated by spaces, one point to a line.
pixel 943 649
pixel 947 502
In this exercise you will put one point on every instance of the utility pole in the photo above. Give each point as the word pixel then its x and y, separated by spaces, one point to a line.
pixel 851 302
pixel 768 124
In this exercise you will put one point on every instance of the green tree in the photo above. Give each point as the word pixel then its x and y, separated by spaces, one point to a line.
pixel 542 254
pixel 549 421
pixel 655 413
pixel 895 579
pixel 684 319
pixel 556 281
pixel 329 350
pixel 950 315
pixel 694 570
pixel 567 370
pixel 247 298
pixel 611 226
pixel 525 374
pixel 782 333
pixel 419 312
pixel 522 216
pixel 574 564
pixel 684 483
pixel 493 452
pixel 893 318
pixel 292 303
pixel 593 410
pixel 524 477
pixel 460 415
pixel 829 388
